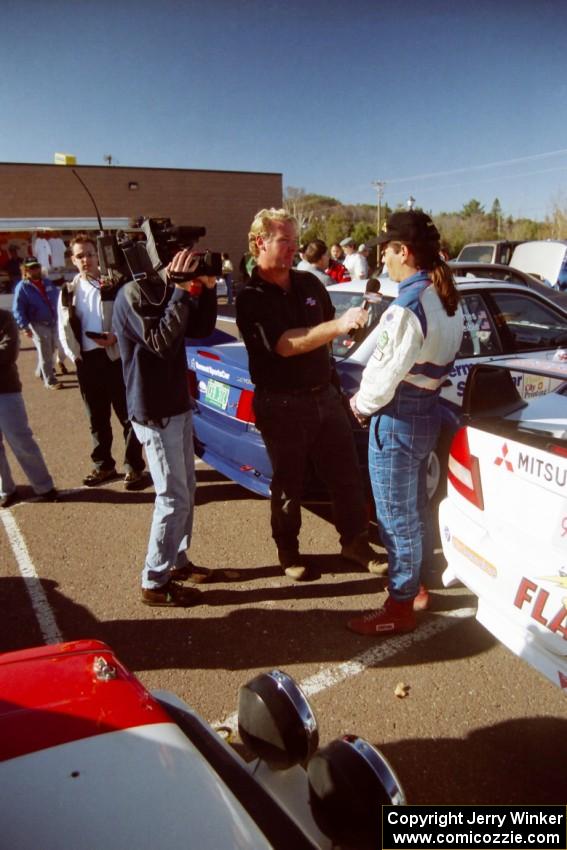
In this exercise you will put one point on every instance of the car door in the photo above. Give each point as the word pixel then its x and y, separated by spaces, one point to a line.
pixel 504 322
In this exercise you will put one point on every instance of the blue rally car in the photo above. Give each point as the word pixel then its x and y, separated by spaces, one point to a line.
pixel 501 319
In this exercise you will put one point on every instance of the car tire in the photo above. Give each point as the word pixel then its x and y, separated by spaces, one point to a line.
pixel 437 465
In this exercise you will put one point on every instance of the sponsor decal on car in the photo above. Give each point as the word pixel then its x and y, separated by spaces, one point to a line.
pixel 530 593
pixel 503 459
pixel 475 558
pixel 533 465
pixel 211 370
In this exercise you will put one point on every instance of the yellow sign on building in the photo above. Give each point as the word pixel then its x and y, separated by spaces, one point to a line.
pixel 64 159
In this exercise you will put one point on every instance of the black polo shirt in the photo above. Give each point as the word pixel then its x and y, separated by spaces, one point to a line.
pixel 264 311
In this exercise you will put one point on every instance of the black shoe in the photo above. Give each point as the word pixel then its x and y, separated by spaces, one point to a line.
pixel 171 595
pixel 10 499
pixel 51 496
pixel 99 476
pixel 136 480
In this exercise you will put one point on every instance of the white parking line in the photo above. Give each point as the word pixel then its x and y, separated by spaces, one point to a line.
pixel 370 657
pixel 40 605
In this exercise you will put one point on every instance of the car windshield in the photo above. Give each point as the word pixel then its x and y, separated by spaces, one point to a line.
pixel 344 345
pixel 477 254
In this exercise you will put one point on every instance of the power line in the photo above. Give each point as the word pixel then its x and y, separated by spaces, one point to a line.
pixel 432 174
pixel 493 179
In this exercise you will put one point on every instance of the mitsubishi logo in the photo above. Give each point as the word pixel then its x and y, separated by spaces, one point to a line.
pixel 503 459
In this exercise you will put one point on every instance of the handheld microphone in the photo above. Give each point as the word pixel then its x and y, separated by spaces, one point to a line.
pixel 371 296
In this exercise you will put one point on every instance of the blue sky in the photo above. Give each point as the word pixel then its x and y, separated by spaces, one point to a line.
pixel 335 95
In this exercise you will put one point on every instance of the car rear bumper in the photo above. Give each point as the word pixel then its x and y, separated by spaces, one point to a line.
pixel 522 603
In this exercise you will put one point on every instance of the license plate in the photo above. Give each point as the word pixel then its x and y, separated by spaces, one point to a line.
pixel 217 394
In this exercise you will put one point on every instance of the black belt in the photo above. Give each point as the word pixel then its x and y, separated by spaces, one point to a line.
pixel 303 391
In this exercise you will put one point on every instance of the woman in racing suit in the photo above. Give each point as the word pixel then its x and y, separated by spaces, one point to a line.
pixel 418 338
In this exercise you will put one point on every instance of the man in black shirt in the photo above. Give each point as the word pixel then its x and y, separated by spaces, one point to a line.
pixel 286 319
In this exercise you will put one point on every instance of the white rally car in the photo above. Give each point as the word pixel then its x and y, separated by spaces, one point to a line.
pixel 90 759
pixel 504 521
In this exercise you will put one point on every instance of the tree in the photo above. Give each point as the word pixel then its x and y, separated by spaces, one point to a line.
pixel 296 203
pixel 473 207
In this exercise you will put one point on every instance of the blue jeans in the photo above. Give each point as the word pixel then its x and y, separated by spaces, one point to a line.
pixel 398 451
pixel 15 428
pixel 45 340
pixel 171 462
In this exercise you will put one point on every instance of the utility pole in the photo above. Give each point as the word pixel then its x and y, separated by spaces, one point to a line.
pixel 379 186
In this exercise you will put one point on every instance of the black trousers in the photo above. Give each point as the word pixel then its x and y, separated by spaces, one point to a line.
pixel 102 387
pixel 310 428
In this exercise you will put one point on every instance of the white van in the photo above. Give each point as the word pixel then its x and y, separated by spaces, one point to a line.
pixel 546 259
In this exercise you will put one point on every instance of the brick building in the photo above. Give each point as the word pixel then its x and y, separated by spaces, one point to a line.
pixel 222 201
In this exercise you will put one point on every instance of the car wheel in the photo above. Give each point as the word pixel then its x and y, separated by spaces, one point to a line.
pixel 437 464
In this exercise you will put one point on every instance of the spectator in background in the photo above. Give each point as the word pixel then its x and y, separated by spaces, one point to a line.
pixel 85 320
pixel 13 266
pixel 364 251
pixel 35 311
pixel 336 268
pixel 355 263
pixel 316 261
pixel 228 275
pixel 14 425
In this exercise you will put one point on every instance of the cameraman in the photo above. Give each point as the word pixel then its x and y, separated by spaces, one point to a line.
pixel 151 320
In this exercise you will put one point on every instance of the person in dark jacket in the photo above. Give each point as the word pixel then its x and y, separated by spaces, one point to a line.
pixel 14 425
pixel 151 320
pixel 287 321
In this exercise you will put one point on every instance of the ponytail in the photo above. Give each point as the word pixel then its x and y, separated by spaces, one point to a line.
pixel 444 283
pixel 427 257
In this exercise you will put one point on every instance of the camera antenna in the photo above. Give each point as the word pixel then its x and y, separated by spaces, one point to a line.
pixel 85 187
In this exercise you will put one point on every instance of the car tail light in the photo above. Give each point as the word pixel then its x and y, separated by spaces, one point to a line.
pixel 192 381
pixel 245 409
pixel 464 470
pixel 557 450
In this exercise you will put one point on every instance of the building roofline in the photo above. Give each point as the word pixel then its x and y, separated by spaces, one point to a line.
pixel 141 168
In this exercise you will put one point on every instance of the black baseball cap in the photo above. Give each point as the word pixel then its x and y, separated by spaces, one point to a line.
pixel 413 228
pixel 30 262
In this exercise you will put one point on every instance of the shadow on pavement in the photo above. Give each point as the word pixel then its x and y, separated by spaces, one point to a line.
pixel 531 752
pixel 198 638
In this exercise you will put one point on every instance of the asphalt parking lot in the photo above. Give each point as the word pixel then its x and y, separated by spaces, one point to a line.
pixel 477 725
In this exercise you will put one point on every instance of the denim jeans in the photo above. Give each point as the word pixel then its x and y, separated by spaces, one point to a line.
pixel 300 430
pixel 398 452
pixel 171 462
pixel 15 429
pixel 45 340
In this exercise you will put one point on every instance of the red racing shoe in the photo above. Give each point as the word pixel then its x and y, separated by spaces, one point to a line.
pixel 393 618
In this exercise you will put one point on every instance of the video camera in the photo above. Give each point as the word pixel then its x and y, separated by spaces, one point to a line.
pixel 134 258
